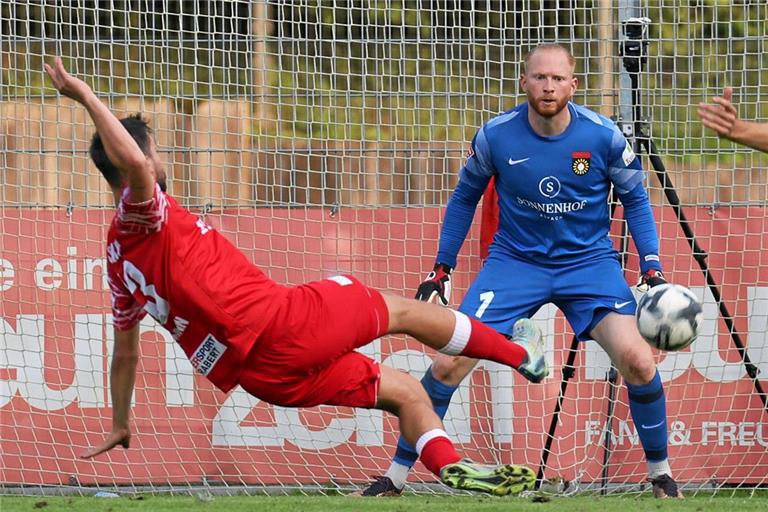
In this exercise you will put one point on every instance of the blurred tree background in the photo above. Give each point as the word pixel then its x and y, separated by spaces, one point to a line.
pixel 390 70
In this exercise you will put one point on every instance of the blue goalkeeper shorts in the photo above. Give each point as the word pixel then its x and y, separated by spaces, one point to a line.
pixel 507 289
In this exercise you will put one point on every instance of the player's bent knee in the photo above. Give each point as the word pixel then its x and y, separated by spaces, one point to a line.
pixel 452 370
pixel 637 370
pixel 397 389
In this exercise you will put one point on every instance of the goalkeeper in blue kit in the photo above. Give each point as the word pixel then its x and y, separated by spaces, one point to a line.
pixel 554 164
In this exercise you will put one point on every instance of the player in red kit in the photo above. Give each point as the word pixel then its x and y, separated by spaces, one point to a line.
pixel 289 346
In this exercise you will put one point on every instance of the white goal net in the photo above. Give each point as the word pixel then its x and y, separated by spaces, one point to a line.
pixel 325 136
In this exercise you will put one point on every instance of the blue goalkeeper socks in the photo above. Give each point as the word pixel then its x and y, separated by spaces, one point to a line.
pixel 649 412
pixel 440 394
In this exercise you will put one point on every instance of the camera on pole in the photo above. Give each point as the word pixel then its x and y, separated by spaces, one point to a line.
pixel 634 46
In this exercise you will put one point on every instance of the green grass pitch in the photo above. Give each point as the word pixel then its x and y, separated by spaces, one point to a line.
pixel 724 501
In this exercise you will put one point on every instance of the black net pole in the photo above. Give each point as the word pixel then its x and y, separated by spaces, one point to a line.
pixel 568 371
pixel 635 54
pixel 701 258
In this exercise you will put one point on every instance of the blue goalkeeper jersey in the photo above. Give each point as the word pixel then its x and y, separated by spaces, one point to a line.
pixel 553 191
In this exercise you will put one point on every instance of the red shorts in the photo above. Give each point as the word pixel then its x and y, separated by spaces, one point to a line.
pixel 307 357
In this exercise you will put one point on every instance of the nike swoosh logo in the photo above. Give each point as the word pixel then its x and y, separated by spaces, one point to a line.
pixel 515 162
pixel 652 426
pixel 619 305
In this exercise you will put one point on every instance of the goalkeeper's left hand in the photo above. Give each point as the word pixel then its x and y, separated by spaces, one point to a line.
pixel 650 279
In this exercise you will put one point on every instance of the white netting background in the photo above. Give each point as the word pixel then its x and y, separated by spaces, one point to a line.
pixel 326 136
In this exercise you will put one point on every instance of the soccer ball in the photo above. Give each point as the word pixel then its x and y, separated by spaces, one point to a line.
pixel 669 316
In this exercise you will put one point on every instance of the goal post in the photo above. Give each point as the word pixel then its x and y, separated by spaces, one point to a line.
pixel 324 137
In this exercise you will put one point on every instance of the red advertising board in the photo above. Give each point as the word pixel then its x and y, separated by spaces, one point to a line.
pixel 55 327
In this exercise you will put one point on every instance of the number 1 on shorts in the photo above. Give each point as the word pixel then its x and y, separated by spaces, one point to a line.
pixel 486 298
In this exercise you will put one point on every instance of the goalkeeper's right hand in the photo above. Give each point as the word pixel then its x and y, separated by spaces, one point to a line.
pixel 437 285
pixel 650 279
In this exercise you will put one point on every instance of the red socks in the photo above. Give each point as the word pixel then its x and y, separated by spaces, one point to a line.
pixel 473 338
pixel 436 451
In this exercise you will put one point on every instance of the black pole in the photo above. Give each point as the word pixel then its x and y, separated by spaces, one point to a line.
pixel 613 376
pixel 568 371
pixel 634 51
pixel 634 54
pixel 701 258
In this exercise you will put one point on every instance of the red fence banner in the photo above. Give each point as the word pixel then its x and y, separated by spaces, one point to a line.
pixel 55 326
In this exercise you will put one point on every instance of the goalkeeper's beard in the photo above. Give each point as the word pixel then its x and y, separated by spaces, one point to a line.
pixel 548 109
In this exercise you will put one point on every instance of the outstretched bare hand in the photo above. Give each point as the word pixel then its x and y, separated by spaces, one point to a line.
pixel 65 83
pixel 720 115
pixel 120 436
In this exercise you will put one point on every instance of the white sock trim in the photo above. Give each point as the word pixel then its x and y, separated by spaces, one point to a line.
pixel 460 337
pixel 427 437
pixel 398 473
pixel 659 468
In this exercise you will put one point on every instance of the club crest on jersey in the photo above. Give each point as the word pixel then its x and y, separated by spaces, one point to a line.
pixel 580 165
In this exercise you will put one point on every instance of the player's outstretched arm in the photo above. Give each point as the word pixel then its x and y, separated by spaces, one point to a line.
pixel 122 150
pixel 122 376
pixel 458 219
pixel 722 117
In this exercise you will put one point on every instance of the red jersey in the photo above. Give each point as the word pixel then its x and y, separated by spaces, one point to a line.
pixel 164 261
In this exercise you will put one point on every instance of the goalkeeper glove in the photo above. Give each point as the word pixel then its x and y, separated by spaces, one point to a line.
pixel 650 279
pixel 437 284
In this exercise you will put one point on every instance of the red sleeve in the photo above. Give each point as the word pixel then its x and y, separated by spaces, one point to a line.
pixel 489 223
pixel 126 311
pixel 146 217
